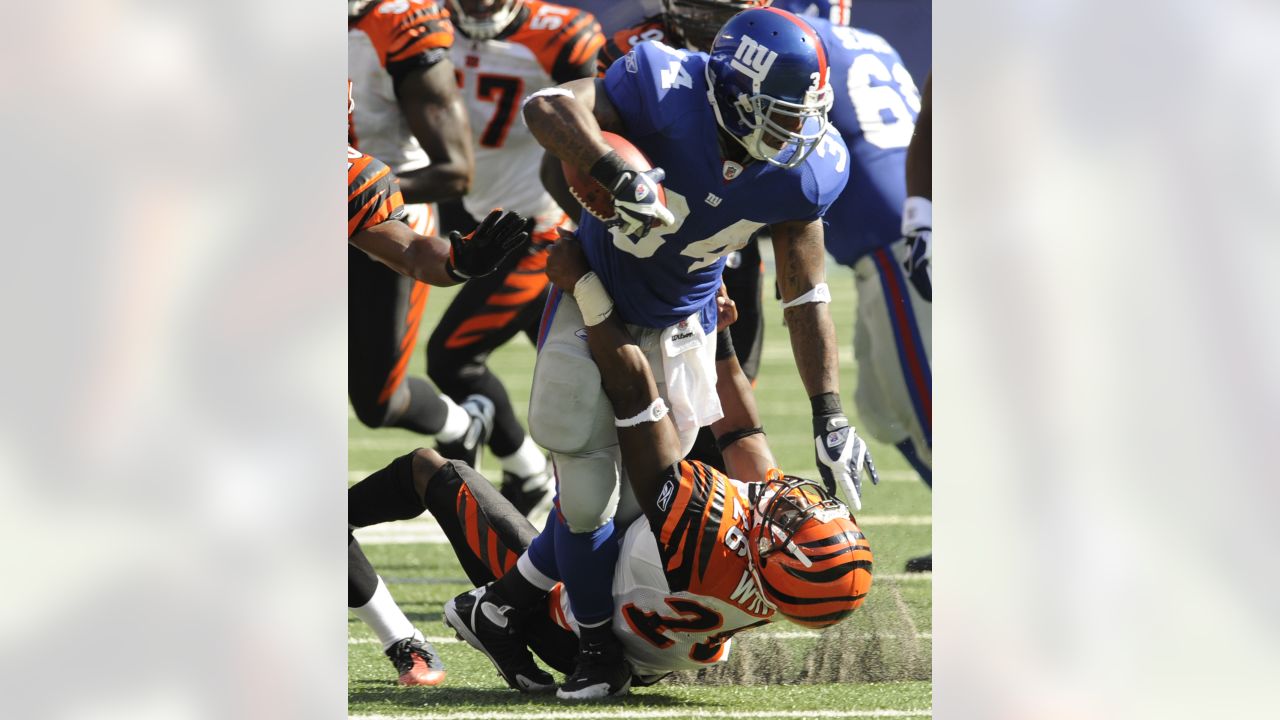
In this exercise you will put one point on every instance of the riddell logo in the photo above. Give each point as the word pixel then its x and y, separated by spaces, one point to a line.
pixel 642 191
pixel 753 59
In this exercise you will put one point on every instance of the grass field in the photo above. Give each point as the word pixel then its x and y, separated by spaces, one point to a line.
pixel 876 664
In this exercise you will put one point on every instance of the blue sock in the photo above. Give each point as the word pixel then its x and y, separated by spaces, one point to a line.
pixel 586 562
pixel 908 450
pixel 542 551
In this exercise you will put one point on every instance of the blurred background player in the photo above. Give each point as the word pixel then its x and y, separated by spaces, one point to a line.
pixel 407 113
pixel 882 234
pixel 376 223
pixel 917 232
pixel 757 155
pixel 837 12
pixel 616 14
pixel 505 50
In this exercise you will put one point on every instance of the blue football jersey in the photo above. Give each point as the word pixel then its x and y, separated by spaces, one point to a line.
pixel 875 111
pixel 673 272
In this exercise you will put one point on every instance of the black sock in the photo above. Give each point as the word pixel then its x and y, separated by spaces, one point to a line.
pixel 518 592
pixel 385 495
pixel 362 581
pixel 426 412
pixel 598 634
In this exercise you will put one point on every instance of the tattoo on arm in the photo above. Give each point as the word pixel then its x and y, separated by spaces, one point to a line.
pixel 800 255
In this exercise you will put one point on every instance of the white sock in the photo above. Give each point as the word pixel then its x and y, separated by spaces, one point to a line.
pixel 456 424
pixel 385 618
pixel 525 566
pixel 526 461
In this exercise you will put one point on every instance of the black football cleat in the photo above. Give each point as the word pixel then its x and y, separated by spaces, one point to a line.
pixel 530 494
pixel 921 564
pixel 601 671
pixel 417 662
pixel 467 448
pixel 488 624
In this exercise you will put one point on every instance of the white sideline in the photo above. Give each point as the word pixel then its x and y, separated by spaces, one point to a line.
pixel 673 713
pixel 426 530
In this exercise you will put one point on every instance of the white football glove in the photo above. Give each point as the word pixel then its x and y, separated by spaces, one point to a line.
pixel 635 195
pixel 917 232
pixel 841 456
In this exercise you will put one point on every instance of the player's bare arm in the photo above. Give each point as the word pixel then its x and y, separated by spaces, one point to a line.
pixel 432 107
pixel 801 267
pixel 648 447
pixel 397 246
pixel 740 434
pixel 552 175
pixel 920 151
pixel 567 120
pixel 441 262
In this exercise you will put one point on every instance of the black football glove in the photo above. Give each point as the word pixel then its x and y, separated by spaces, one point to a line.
pixel 482 250
pixel 841 454
pixel 635 195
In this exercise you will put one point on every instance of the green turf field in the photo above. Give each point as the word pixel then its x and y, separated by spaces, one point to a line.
pixel 876 664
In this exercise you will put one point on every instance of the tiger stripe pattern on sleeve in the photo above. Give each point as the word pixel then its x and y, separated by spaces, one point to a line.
pixel 408 34
pixel 564 39
pixel 373 193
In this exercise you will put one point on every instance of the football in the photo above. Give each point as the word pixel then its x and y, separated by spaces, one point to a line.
pixel 593 196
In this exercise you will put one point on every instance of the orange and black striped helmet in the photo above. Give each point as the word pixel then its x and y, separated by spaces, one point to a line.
pixel 812 562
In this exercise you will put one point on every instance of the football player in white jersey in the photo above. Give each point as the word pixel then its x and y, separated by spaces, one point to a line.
pixel 405 111
pixel 504 51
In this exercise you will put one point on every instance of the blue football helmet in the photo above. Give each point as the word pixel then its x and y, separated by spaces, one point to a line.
pixel 769 84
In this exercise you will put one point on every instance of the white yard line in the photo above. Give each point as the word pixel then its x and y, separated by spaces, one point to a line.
pixel 672 713
pixel 433 639
pixel 426 530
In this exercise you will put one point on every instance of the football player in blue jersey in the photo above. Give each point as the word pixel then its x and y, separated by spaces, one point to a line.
pixel 740 137
pixel 882 232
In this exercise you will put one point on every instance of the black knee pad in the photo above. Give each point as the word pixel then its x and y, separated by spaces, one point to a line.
pixel 386 495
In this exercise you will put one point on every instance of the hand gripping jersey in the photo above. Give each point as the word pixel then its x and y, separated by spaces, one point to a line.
pixel 546 45
pixel 875 111
pixel 373 193
pixel 388 40
pixel 681 591
pixel 661 95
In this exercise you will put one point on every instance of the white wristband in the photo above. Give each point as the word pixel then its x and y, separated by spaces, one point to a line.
pixel 544 92
pixel 593 299
pixel 917 214
pixel 819 294
pixel 655 412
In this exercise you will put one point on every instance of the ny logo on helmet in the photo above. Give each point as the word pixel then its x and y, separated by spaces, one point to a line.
pixel 753 59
